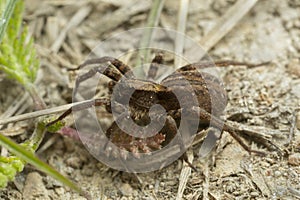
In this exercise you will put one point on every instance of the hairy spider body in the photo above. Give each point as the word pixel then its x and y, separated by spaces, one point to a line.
pixel 205 86
pixel 144 94
pixel 148 93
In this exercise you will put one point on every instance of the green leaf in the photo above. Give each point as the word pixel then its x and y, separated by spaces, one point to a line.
pixel 55 127
pixel 3 180
pixel 7 7
pixel 17 53
pixel 29 157
pixel 19 61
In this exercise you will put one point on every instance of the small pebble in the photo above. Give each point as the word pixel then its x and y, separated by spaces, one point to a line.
pixel 126 189
pixel 293 67
pixel 74 162
pixel 277 173
pixel 88 170
pixel 135 193
pixel 151 187
pixel 294 159
pixel 60 191
pixel 254 194
pixel 34 187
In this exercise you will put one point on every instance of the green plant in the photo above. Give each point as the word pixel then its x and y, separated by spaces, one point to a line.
pixel 19 61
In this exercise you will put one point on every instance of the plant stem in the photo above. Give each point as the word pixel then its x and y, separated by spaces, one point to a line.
pixel 40 129
pixel 38 102
pixel 37 136
pixel 8 10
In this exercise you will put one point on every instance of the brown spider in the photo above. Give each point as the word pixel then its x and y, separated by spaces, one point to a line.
pixel 205 86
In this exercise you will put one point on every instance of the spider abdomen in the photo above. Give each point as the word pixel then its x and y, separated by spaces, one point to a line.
pixel 208 90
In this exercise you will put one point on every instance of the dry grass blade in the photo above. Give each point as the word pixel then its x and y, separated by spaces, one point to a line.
pixel 118 2
pixel 226 23
pixel 14 106
pixel 294 192
pixel 76 20
pixel 39 113
pixel 152 21
pixel 179 41
pixel 184 175
pixel 179 44
pixel 206 180
pixel 123 14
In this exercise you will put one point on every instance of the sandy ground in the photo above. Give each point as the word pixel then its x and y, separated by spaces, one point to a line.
pixel 266 96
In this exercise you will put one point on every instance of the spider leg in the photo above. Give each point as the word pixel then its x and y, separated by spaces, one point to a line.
pixel 157 60
pixel 222 63
pixel 85 105
pixel 123 68
pixel 107 66
pixel 226 63
pixel 235 132
pixel 107 71
pixel 240 141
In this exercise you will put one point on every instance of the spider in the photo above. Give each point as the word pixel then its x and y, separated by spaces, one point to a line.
pixel 147 93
